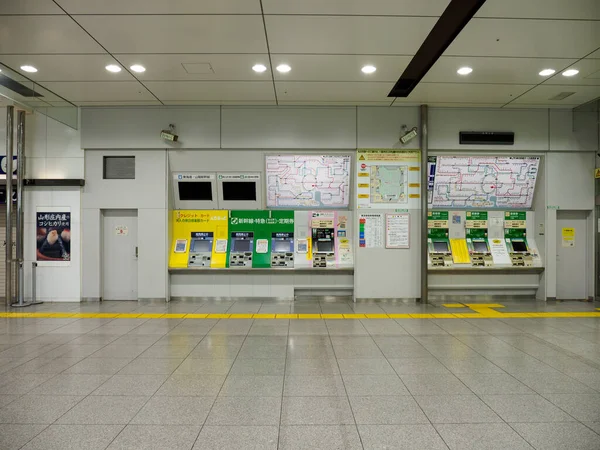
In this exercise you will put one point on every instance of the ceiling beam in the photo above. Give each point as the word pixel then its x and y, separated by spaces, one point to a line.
pixel 449 25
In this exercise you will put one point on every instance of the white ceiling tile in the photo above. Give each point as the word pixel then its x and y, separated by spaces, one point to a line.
pixel 542 94
pixel 493 70
pixel 226 67
pixel 589 74
pixel 542 9
pixel 357 7
pixel 212 91
pixel 29 7
pixel 595 55
pixel 67 67
pixel 348 35
pixel 100 91
pixel 527 38
pixel 44 34
pixel 321 91
pixel 177 34
pixel 161 6
pixel 313 103
pixel 340 67
pixel 538 106
pixel 464 93
pixel 223 102
pixel 457 105
pixel 118 103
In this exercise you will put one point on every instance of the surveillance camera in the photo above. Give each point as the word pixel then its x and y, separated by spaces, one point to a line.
pixel 169 135
pixel 409 136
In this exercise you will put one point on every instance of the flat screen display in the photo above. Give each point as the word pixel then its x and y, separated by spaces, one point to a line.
pixel 324 246
pixel 480 247
pixel 440 247
pixel 519 246
pixel 195 190
pixel 201 246
pixel 282 246
pixel 239 191
pixel 241 245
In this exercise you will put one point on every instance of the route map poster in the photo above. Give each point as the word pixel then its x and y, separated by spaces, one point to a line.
pixel 53 236
pixel 485 182
pixel 388 179
pixel 308 181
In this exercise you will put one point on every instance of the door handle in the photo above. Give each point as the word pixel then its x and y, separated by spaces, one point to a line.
pixel 136 252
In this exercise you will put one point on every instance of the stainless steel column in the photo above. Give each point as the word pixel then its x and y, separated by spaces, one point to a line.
pixel 424 183
pixel 20 223
pixel 9 191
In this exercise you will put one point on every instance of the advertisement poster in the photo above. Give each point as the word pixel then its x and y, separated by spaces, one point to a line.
pixel 53 235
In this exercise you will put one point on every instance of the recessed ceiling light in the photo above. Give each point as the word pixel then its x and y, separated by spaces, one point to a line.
pixel 113 68
pixel 283 68
pixel 368 69
pixel 138 68
pixel 260 68
pixel 570 72
pixel 464 71
pixel 547 72
pixel 29 69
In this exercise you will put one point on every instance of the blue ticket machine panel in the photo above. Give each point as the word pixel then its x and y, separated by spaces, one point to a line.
pixel 282 249
pixel 242 247
pixel 201 247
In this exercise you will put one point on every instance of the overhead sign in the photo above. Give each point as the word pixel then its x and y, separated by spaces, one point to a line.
pixel 238 176
pixel 193 176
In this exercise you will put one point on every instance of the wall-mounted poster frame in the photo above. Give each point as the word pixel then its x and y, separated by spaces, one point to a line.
pixel 397 230
pixel 53 236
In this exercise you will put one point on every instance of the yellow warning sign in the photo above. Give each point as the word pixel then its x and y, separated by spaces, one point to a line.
pixel 414 169
pixel 597 172
pixel 460 252
pixel 414 185
pixel 414 196
pixel 568 237
pixel 362 158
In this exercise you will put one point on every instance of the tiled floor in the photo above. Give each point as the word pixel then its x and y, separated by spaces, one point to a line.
pixel 176 383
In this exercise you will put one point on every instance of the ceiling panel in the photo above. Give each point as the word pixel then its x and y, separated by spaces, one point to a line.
pixel 348 35
pixel 161 6
pixel 225 67
pixel 340 67
pixel 313 103
pixel 212 91
pixel 356 7
pixel 100 91
pixel 177 34
pixel 29 7
pixel 538 106
pixel 493 70
pixel 589 74
pixel 44 34
pixel 118 103
pixel 542 9
pixel 542 94
pixel 464 93
pixel 67 67
pixel 320 91
pixel 223 102
pixel 527 38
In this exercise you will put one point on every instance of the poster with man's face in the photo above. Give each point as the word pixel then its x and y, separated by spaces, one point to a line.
pixel 53 234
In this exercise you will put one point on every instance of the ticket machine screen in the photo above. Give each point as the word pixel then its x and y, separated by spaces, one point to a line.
pixel 440 247
pixel 282 250
pixel 323 247
pixel 242 244
pixel 519 246
pixel 201 245
pixel 480 247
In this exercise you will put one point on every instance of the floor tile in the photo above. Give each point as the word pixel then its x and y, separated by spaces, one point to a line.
pixel 140 385
pixel 312 367
pixel 100 366
pixel 417 365
pixel 14 436
pixel 120 351
pixel 557 436
pixel 265 366
pixel 151 366
pixel 188 385
pixel 24 383
pixel 553 383
pixel 155 437
pixel 525 408
pixel 313 386
pixel 456 409
pixel 245 411
pixel 361 385
pixel 434 384
pixel 409 437
pixel 378 366
pixel 166 351
pixel 594 426
pixel 237 438
pixel 493 383
pixel 470 365
pixel 309 437
pixel 75 437
pixel 387 410
pixel 174 411
pixel 71 384
pixel 104 410
pixel 7 398
pixel 252 386
pixel 584 407
pixel 489 436
pixel 316 411
pixel 37 408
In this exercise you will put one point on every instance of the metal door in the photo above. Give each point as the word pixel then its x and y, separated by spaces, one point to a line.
pixel 571 256
pixel 119 255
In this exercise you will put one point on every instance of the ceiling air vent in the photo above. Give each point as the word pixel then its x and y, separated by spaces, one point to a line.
pixel 561 96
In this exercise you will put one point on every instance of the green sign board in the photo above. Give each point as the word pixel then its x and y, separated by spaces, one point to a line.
pixel 437 224
pixel 477 215
pixel 515 215
pixel 437 215
pixel 262 224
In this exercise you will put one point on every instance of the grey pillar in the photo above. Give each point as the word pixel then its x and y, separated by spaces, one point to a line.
pixel 424 183
pixel 20 223
pixel 9 191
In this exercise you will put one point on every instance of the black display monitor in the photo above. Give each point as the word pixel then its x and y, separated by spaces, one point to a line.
pixel 195 190
pixel 201 246
pixel 440 247
pixel 241 245
pixel 239 191
pixel 324 246
pixel 282 246
pixel 480 247
pixel 519 246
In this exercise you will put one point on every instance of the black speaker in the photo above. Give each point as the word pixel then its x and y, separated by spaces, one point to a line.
pixel 487 138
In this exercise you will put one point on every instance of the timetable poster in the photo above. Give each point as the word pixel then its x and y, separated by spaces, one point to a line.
pixel 53 236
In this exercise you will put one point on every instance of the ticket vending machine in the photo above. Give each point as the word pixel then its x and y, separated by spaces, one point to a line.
pixel 323 247
pixel 201 247
pixel 518 250
pixel 282 249
pixel 440 253
pixel 242 246
pixel 481 255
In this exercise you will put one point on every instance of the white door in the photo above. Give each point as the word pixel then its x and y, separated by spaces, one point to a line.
pixel 571 257
pixel 119 255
